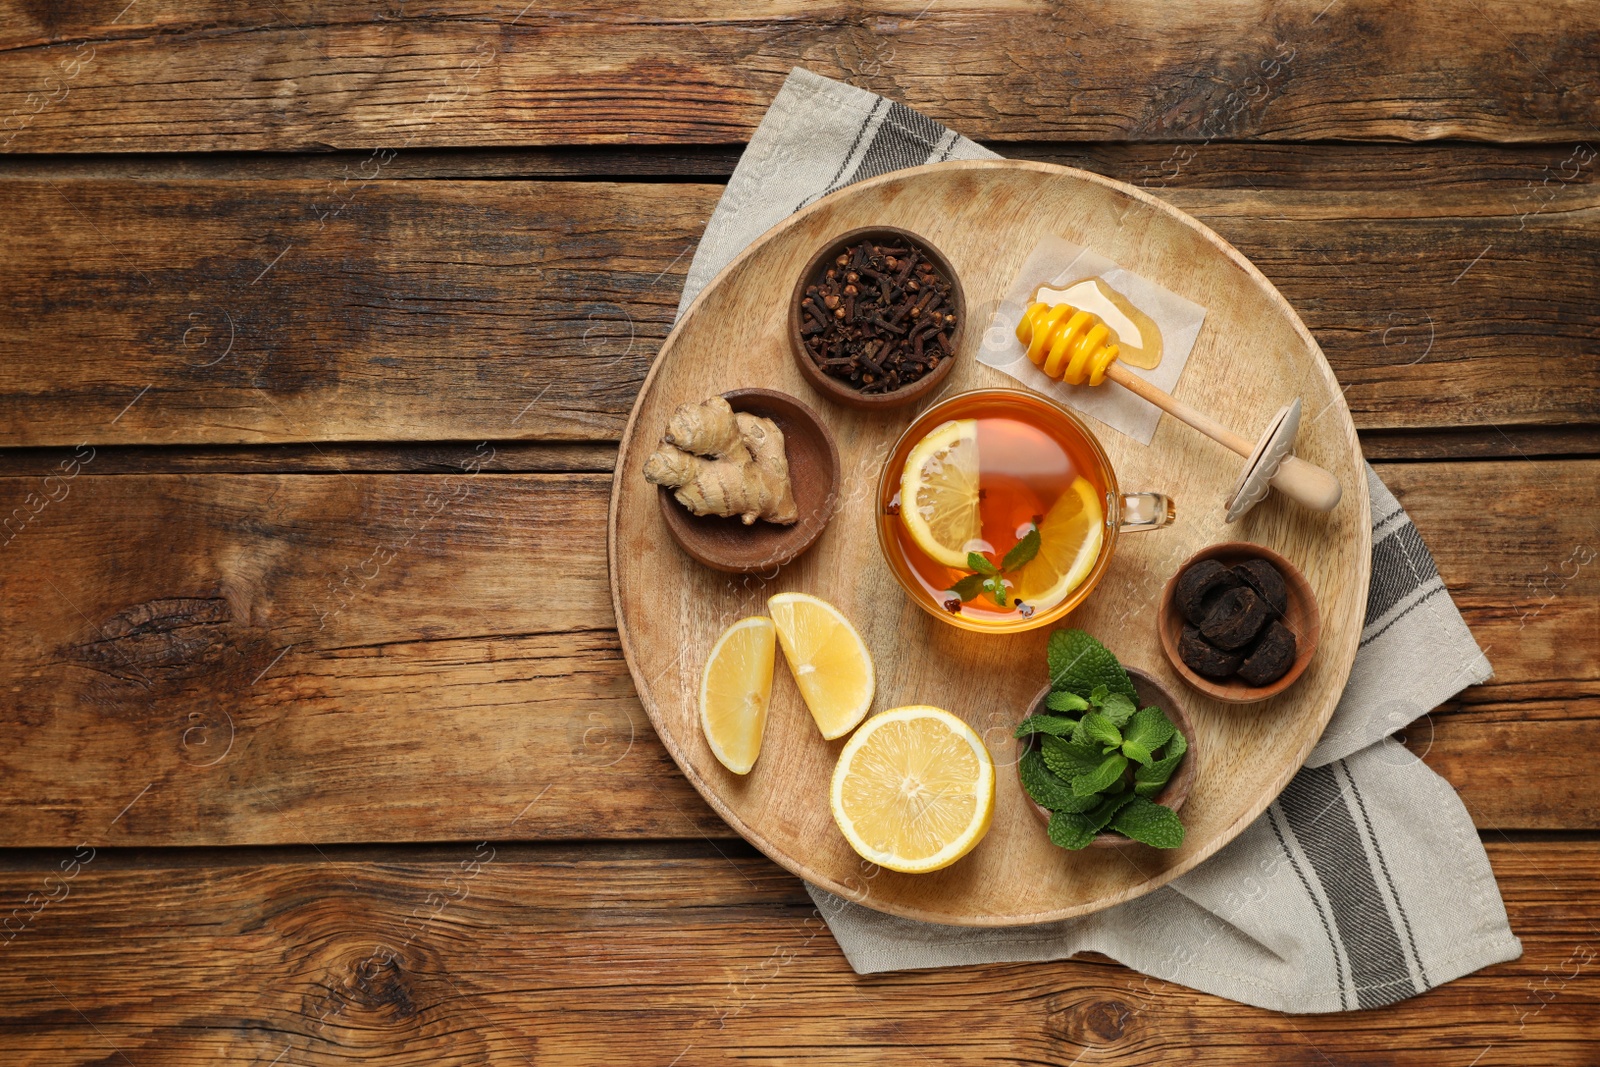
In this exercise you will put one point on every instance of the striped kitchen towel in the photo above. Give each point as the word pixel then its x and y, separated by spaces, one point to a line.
pixel 1365 882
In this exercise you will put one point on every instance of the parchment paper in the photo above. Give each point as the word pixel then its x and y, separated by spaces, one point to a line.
pixel 1057 262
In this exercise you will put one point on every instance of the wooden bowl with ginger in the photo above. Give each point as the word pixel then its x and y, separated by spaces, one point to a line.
pixel 734 543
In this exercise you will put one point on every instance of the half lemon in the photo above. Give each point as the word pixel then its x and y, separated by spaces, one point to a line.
pixel 1069 543
pixel 913 790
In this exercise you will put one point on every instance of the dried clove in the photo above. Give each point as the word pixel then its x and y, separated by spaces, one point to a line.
pixel 892 317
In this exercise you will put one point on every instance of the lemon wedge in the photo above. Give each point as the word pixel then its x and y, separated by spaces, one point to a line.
pixel 1069 543
pixel 734 690
pixel 939 492
pixel 830 662
pixel 914 789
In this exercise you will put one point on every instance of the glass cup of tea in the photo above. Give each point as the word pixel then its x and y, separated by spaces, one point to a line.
pixel 998 511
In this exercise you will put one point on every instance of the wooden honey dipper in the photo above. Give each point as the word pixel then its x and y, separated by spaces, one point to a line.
pixel 1069 344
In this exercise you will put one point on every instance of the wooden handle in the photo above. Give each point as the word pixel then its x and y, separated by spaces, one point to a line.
pixel 1305 483
pixel 1179 410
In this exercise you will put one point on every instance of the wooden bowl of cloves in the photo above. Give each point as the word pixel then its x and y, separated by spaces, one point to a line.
pixel 877 318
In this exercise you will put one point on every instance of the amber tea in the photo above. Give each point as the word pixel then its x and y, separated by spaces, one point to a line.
pixel 993 510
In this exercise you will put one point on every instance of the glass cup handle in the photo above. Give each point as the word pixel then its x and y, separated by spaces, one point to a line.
pixel 1144 511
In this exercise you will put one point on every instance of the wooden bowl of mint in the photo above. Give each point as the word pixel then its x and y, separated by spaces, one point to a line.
pixel 1151 693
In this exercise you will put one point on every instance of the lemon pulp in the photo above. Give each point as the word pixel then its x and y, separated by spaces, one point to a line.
pixel 831 665
pixel 1069 543
pixel 913 790
pixel 939 492
pixel 735 688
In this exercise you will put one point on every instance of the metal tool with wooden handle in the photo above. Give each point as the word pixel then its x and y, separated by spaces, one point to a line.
pixel 1069 344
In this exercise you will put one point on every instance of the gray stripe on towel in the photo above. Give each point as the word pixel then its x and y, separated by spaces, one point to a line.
pixel 1316 902
pixel 1401 565
pixel 905 138
pixel 1319 814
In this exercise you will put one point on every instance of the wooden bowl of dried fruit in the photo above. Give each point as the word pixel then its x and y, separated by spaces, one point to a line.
pixel 877 318
pixel 1228 611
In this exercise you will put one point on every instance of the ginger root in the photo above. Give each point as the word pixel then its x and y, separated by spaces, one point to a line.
pixel 721 463
pixel 706 429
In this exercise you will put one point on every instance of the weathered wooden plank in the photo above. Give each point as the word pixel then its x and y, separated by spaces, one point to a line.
pixel 515 457
pixel 1391 311
pixel 297 75
pixel 312 311
pixel 1491 442
pixel 289 311
pixel 319 657
pixel 1517 545
pixel 1535 174
pixel 492 953
pixel 276 658
pixel 1516 765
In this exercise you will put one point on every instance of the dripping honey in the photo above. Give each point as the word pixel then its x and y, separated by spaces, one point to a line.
pixel 1029 454
pixel 1136 334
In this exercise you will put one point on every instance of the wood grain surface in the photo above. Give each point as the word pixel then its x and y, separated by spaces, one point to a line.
pixel 339 309
pixel 1529 171
pixel 433 225
pixel 986 217
pixel 301 75
pixel 534 691
pixel 486 953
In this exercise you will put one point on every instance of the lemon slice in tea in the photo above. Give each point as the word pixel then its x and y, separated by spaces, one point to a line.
pixel 1069 543
pixel 939 492
pixel 734 690
pixel 913 790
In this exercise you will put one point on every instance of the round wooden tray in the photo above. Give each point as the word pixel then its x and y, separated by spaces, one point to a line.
pixel 1252 356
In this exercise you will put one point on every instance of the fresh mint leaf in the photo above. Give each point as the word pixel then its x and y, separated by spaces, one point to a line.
pixel 976 562
pixel 1045 788
pixel 1138 753
pixel 1101 814
pixel 1100 729
pixel 1101 777
pixel 968 587
pixel 1148 822
pixel 1150 727
pixel 1074 830
pixel 1066 702
pixel 1097 695
pixel 996 589
pixel 1118 708
pixel 1078 663
pixel 1147 781
pixel 1022 552
pixel 1070 830
pixel 1055 725
pixel 1068 760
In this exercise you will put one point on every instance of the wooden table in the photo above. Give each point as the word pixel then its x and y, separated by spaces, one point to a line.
pixel 321 323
